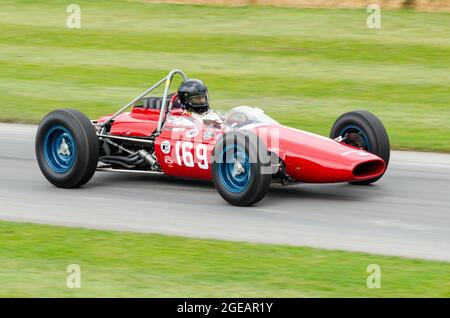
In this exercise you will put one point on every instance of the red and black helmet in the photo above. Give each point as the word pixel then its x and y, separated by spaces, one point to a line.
pixel 193 96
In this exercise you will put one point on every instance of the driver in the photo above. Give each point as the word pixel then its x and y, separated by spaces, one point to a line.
pixel 193 96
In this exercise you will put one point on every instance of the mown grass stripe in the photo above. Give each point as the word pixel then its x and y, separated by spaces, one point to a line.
pixel 116 264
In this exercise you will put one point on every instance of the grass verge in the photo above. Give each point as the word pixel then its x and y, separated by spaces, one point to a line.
pixel 34 259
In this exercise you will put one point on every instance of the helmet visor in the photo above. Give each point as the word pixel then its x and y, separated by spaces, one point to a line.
pixel 199 100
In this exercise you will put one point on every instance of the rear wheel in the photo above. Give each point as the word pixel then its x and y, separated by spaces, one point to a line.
pixel 238 171
pixel 362 129
pixel 67 148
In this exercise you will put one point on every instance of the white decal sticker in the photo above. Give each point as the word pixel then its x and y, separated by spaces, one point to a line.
pixel 177 129
pixel 168 161
pixel 165 147
pixel 208 134
pixel 191 133
pixel 359 152
pixel 349 152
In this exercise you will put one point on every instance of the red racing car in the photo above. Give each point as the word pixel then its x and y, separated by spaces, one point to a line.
pixel 242 151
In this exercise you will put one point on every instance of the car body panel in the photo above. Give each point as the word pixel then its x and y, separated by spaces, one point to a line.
pixel 312 158
pixel 184 148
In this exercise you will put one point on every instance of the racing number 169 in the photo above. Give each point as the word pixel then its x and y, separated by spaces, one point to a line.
pixel 187 159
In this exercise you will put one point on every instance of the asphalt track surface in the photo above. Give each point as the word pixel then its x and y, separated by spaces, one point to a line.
pixel 407 213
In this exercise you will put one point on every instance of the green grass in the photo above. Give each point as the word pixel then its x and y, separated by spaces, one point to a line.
pixel 34 259
pixel 303 66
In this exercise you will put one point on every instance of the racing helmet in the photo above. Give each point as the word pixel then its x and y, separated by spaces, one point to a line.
pixel 193 96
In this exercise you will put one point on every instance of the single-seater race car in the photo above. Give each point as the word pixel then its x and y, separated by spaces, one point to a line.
pixel 242 151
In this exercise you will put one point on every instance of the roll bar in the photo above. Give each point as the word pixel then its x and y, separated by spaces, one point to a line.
pixel 168 81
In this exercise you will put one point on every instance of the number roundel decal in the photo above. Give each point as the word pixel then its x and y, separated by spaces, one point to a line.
pixel 165 147
pixel 186 158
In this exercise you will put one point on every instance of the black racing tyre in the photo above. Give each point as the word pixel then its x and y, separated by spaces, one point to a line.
pixel 241 168
pixel 364 130
pixel 67 148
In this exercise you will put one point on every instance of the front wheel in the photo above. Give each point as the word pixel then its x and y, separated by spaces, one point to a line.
pixel 362 129
pixel 67 148
pixel 239 169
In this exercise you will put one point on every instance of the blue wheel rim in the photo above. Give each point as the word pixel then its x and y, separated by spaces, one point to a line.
pixel 59 149
pixel 234 175
pixel 357 134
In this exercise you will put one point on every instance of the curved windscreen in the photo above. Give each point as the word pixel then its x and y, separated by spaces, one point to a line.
pixel 245 115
